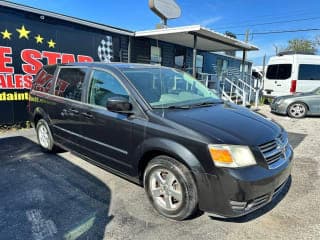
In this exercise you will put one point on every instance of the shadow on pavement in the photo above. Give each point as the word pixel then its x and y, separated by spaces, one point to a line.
pixel 296 138
pixel 43 196
pixel 260 212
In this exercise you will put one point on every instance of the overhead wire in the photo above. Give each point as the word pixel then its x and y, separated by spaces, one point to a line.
pixel 281 31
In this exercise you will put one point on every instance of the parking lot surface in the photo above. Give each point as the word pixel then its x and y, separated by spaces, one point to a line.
pixel 47 196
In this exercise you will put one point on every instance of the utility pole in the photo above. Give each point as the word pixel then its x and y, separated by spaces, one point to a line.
pixel 276 48
pixel 264 64
pixel 244 54
pixel 247 36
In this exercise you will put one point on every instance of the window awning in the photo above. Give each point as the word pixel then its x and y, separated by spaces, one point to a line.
pixel 207 40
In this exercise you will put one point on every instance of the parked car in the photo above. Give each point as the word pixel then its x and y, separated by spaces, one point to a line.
pixel 289 73
pixel 162 129
pixel 298 105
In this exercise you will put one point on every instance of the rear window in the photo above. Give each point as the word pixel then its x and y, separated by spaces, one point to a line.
pixel 309 72
pixel 279 71
pixel 69 83
pixel 44 79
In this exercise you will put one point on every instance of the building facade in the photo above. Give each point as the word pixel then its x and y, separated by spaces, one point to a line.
pixel 31 38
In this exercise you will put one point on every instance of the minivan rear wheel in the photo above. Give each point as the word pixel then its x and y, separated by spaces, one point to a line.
pixel 297 110
pixel 170 188
pixel 44 136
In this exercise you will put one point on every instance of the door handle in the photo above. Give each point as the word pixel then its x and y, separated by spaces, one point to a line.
pixel 87 115
pixel 74 111
pixel 64 112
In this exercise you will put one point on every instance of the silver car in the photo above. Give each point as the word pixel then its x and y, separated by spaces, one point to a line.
pixel 298 105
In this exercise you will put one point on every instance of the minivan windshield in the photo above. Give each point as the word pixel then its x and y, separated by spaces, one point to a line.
pixel 168 88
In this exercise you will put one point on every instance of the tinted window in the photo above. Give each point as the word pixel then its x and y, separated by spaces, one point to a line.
pixel 272 71
pixel 309 72
pixel 279 71
pixel 44 79
pixel 103 86
pixel 69 83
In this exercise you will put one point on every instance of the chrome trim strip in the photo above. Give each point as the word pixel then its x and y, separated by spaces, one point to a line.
pixel 102 155
pixel 272 153
pixel 282 160
pixel 91 140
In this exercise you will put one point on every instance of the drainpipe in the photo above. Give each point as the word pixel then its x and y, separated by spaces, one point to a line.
pixel 129 49
pixel 244 56
pixel 194 55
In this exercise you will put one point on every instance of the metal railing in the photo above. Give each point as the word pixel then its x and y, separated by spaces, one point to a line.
pixel 234 86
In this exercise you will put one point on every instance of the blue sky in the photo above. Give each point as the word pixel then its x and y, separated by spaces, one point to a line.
pixel 233 15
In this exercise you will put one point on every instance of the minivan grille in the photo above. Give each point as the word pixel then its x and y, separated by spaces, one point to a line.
pixel 274 150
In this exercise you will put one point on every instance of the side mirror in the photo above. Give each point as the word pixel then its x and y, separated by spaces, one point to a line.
pixel 119 104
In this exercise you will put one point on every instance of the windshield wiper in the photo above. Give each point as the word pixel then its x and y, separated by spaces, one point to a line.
pixel 173 107
pixel 204 104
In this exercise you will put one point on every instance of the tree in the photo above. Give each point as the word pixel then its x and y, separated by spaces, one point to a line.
pixel 302 45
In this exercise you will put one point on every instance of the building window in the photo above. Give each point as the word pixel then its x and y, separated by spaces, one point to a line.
pixel 155 55
pixel 179 61
pixel 222 67
pixel 245 69
pixel 199 63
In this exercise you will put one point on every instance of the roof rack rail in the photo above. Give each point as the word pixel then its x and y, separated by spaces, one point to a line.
pixel 294 52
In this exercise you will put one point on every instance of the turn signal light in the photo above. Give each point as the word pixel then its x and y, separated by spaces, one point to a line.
pixel 221 155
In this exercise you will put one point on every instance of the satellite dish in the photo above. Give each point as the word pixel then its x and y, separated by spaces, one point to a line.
pixel 165 9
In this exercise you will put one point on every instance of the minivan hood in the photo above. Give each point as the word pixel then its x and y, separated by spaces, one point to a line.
pixel 226 123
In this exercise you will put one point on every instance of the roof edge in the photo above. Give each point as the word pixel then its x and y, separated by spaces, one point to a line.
pixel 66 18
pixel 194 29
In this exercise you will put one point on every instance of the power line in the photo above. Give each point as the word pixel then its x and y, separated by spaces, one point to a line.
pixel 282 31
pixel 275 22
pixel 273 16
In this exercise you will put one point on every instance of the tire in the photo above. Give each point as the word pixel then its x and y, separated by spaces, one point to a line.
pixel 170 188
pixel 44 137
pixel 297 110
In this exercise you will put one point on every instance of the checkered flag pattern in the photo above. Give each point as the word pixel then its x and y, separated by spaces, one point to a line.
pixel 105 51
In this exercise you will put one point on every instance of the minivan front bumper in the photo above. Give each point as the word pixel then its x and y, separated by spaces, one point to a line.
pixel 237 192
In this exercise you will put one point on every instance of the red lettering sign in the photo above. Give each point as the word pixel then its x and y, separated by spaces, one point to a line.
pixel 4 60
pixel 31 58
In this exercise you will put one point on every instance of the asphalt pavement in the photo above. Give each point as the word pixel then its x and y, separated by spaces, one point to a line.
pixel 48 196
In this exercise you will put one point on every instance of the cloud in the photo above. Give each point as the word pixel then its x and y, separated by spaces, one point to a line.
pixel 209 21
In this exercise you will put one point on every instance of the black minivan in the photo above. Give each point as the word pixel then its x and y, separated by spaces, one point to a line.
pixel 161 128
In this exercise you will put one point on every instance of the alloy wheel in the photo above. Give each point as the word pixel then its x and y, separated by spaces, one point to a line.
pixel 165 189
pixel 44 138
pixel 297 110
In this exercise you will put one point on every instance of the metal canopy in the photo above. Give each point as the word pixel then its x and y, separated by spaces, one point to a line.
pixel 207 40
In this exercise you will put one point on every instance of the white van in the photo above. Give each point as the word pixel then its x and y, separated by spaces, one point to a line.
pixel 289 73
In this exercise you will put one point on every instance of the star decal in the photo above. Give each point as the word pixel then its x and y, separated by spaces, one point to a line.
pixel 51 43
pixel 6 34
pixel 23 32
pixel 39 39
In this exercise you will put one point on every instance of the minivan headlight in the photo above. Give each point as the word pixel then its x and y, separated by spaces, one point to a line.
pixel 231 156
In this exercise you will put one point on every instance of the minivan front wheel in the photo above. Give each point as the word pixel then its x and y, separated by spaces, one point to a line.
pixel 170 188
pixel 44 136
